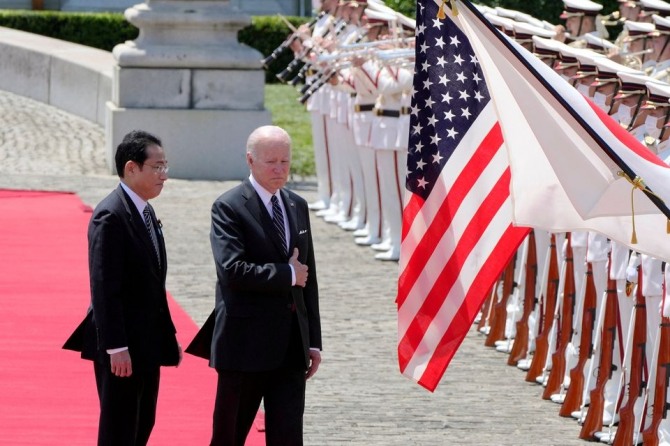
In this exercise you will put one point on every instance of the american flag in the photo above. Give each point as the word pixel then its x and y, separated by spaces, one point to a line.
pixel 457 221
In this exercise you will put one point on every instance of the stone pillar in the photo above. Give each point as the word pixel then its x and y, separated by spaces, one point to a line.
pixel 187 79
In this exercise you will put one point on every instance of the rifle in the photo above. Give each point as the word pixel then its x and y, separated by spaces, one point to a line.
pixel 573 397
pixel 497 330
pixel 594 417
pixel 557 373
pixel 274 55
pixel 520 346
pixel 542 339
pixel 626 429
pixel 661 382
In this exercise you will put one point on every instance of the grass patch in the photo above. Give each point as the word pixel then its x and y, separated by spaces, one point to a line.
pixel 288 113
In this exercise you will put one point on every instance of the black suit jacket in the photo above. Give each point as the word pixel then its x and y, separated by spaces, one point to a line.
pixel 255 302
pixel 128 298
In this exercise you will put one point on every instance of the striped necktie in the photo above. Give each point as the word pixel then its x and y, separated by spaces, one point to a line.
pixel 278 220
pixel 152 231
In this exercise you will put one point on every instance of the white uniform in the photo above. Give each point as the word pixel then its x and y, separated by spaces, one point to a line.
pixel 391 159
pixel 365 83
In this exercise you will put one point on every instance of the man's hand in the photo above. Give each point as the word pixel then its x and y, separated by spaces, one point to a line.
pixel 121 364
pixel 314 361
pixel 299 268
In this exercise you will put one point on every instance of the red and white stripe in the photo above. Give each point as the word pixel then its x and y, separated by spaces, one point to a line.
pixel 455 244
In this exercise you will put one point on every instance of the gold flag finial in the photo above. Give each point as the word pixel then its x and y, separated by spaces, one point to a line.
pixel 440 11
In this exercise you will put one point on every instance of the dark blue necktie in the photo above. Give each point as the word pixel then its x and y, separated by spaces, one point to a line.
pixel 152 231
pixel 278 220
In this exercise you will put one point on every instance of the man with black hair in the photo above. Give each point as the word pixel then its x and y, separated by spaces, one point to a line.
pixel 128 331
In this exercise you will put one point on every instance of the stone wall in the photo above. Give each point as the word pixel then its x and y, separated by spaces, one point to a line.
pixel 72 77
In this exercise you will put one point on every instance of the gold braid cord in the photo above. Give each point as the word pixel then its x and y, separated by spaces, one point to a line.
pixel 638 183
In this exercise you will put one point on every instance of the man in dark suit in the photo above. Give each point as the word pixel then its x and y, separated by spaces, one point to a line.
pixel 267 334
pixel 128 332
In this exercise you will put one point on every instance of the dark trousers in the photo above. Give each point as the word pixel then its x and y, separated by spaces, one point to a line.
pixel 127 406
pixel 239 394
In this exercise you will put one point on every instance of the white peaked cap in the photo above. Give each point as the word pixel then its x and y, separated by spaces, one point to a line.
pixel 595 40
pixel 524 28
pixel 658 92
pixel 655 5
pixel 504 12
pixel 638 27
pixel 583 5
pixel 527 18
pixel 496 20
pixel 548 44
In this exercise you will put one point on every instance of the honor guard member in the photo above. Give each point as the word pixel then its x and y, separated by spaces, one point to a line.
pixel 599 44
pixel 578 244
pixel 661 44
pixel 321 161
pixel 365 75
pixel 586 72
pixel 636 51
pixel 377 24
pixel 568 64
pixel 606 82
pixel 597 254
pixel 658 111
pixel 651 272
pixel 390 160
pixel 340 200
pixel 597 249
pixel 627 108
pixel 625 267
pixel 352 173
pixel 581 17
pixel 547 50
pixel 648 8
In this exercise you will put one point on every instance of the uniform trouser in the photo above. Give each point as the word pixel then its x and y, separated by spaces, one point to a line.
pixel 340 199
pixel 391 167
pixel 355 172
pixel 127 406
pixel 368 160
pixel 321 158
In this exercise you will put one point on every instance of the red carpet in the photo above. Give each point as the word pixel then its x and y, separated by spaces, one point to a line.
pixel 48 395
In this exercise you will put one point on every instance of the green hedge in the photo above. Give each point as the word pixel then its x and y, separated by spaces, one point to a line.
pixel 98 30
pixel 105 30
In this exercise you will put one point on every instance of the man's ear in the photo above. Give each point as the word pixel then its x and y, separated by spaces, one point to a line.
pixel 130 168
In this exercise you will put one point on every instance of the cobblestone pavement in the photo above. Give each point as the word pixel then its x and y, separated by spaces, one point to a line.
pixel 358 396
